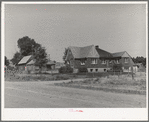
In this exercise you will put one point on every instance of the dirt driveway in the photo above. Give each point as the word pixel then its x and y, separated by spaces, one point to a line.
pixel 45 95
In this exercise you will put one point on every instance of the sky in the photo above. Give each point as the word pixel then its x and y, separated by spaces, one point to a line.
pixel 113 27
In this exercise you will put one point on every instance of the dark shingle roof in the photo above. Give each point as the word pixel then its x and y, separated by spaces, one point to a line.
pixel 103 53
pixel 118 54
pixel 89 51
pixel 84 52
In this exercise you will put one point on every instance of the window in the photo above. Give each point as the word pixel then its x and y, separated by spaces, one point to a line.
pixel 103 61
pixel 91 70
pixel 93 61
pixel 82 62
pixel 117 61
pixel 96 70
pixel 126 60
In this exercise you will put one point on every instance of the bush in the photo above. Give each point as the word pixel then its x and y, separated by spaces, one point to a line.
pixel 117 67
pixel 82 70
pixel 66 69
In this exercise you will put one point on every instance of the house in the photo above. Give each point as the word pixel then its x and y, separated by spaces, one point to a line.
pixel 53 66
pixel 50 65
pixel 59 65
pixel 95 59
pixel 27 64
pixel 22 64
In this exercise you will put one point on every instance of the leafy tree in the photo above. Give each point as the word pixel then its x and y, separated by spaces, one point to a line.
pixel 139 60
pixel 26 45
pixel 6 61
pixel 40 56
pixel 16 58
pixel 65 54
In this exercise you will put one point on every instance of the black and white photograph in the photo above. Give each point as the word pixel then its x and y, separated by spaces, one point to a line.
pixel 78 58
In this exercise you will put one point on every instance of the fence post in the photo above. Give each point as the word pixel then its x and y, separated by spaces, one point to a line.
pixel 128 71
pixel 107 74
pixel 132 73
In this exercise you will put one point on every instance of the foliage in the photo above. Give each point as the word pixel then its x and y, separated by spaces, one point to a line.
pixel 117 67
pixel 26 45
pixel 66 69
pixel 65 54
pixel 139 60
pixel 16 58
pixel 40 56
pixel 6 61
pixel 82 70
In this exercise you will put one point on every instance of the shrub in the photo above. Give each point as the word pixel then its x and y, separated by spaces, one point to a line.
pixel 117 67
pixel 82 70
pixel 66 69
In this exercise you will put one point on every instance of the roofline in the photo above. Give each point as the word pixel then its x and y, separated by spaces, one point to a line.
pixel 81 47
pixel 118 52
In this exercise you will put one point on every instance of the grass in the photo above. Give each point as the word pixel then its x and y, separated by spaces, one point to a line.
pixel 101 81
pixel 120 84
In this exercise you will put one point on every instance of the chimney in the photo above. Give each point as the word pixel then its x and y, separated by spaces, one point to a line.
pixel 96 46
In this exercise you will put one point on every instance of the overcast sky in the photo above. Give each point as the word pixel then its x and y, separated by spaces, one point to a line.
pixel 115 28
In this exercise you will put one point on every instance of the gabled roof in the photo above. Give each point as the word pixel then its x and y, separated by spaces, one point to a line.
pixel 121 54
pixel 25 59
pixel 75 51
pixel 84 52
pixel 118 54
pixel 103 53
pixel 89 51
pixel 31 62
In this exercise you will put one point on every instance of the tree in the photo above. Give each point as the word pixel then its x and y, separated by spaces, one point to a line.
pixel 16 58
pixel 65 54
pixel 40 56
pixel 139 60
pixel 26 45
pixel 6 61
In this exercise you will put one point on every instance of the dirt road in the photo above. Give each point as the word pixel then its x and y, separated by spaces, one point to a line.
pixel 45 95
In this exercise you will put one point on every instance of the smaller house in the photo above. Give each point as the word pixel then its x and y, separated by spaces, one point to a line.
pixel 50 65
pixel 22 64
pixel 59 65
pixel 53 66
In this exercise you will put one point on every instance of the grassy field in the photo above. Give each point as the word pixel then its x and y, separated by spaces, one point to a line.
pixel 16 76
pixel 112 83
